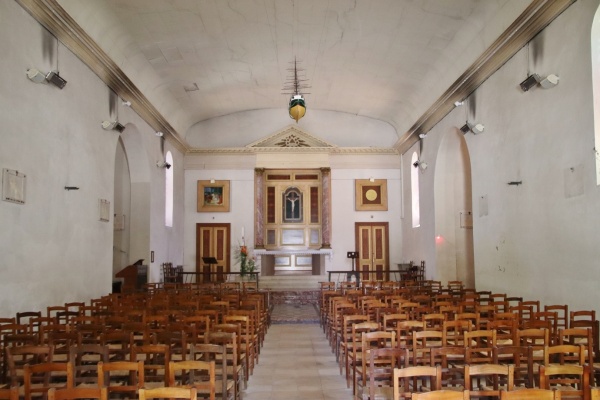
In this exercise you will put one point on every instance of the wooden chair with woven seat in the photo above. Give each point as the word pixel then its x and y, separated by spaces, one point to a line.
pixel 442 395
pixel 485 380
pixel 380 372
pixel 595 393
pixel 121 377
pixel 77 393
pixel 452 361
pixel 369 341
pixel 199 375
pixel 85 359
pixel 565 354
pixel 39 378
pixel 422 343
pixel 572 380
pixel 355 354
pixel 224 387
pixel 233 369
pixel 347 341
pixel 530 394
pixel 156 360
pixel 18 356
pixel 11 393
pixel 520 358
pixel 168 393
pixel 416 379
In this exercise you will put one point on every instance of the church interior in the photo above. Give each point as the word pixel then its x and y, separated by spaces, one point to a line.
pixel 298 169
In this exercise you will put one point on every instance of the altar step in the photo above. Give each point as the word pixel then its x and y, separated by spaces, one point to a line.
pixel 291 282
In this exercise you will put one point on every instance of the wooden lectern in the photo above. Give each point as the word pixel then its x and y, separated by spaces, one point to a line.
pixel 134 276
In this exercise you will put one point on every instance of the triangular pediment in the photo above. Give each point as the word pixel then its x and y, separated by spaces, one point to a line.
pixel 291 137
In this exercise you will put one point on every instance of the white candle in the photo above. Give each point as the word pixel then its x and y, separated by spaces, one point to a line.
pixel 242 232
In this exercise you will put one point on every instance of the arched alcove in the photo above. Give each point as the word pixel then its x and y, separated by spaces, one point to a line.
pixel 596 87
pixel 137 223
pixel 453 211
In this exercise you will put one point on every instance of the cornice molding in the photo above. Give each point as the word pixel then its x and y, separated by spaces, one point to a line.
pixel 54 18
pixel 328 150
pixel 537 16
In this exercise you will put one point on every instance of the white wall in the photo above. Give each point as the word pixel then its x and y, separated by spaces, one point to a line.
pixel 539 240
pixel 54 248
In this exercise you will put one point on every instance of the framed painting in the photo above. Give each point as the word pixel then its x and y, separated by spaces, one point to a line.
pixel 371 195
pixel 213 196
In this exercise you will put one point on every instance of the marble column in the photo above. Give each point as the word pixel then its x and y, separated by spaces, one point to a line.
pixel 259 206
pixel 326 208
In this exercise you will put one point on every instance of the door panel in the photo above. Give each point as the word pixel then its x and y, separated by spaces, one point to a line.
pixel 212 240
pixel 372 245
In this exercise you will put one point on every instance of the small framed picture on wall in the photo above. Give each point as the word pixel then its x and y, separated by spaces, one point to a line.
pixel 371 194
pixel 213 196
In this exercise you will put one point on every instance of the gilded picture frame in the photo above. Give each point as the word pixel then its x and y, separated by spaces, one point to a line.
pixel 371 195
pixel 213 196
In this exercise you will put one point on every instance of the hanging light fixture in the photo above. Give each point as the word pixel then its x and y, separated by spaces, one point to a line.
pixel 293 85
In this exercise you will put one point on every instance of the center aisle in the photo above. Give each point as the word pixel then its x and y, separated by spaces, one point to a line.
pixel 296 362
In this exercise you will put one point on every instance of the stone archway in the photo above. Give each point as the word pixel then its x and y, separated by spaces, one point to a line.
pixel 453 211
pixel 132 198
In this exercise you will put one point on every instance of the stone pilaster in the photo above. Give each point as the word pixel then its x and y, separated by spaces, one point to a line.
pixel 326 208
pixel 259 206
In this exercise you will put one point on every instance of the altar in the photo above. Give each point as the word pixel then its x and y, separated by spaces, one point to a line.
pixel 293 262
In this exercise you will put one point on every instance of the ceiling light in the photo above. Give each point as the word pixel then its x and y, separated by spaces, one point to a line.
pixel 163 164
pixel 126 103
pixel 51 77
pixel 159 134
pixel 112 126
pixel 458 103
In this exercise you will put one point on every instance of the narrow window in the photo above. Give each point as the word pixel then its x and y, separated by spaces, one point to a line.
pixel 169 191
pixel 414 190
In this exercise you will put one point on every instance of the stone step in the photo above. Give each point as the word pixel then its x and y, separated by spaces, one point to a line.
pixel 291 282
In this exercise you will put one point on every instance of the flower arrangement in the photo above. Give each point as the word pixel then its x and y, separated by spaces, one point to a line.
pixel 247 263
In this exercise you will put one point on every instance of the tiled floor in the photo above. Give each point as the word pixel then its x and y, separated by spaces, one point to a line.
pixel 295 313
pixel 296 362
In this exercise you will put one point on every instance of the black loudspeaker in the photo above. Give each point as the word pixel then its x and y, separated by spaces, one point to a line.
pixel 352 254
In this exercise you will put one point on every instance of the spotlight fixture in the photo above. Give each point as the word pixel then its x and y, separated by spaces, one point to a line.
pixel 550 81
pixel 159 134
pixel 51 77
pixel 112 126
pixel 458 103
pixel 532 80
pixel 420 164
pixel 476 129
pixel 163 164
pixel 422 135
pixel 126 103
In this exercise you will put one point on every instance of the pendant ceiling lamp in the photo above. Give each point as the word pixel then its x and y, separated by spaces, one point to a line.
pixel 293 85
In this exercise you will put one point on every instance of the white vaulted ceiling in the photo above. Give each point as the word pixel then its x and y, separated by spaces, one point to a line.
pixel 386 60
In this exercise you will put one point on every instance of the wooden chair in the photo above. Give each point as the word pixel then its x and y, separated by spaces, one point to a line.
pixel 572 380
pixel 156 360
pixel 77 393
pixel 355 356
pixel 18 357
pixel 564 354
pixel 485 380
pixel 562 314
pixel 595 393
pixel 121 377
pixel 369 341
pixel 530 394
pixel 422 343
pixel 380 373
pixel 416 379
pixel 452 361
pixel 39 378
pixel 85 359
pixel 168 392
pixel 11 393
pixel 224 387
pixel 347 341
pixel 199 375
pixel 520 358
pixel 442 395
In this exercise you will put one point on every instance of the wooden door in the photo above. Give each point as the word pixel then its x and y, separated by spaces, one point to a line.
pixel 372 244
pixel 212 240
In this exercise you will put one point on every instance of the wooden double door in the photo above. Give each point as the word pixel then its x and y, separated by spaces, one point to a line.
pixel 212 240
pixel 372 244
